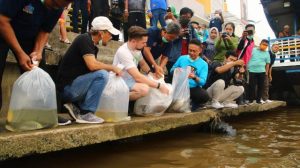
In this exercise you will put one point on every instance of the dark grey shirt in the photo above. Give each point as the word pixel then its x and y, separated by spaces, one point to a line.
pixel 136 5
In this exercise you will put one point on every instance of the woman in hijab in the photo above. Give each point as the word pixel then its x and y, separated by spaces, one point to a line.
pixel 210 50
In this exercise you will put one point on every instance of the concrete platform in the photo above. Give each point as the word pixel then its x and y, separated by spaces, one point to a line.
pixel 14 145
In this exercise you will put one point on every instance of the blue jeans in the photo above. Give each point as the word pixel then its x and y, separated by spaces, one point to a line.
pixel 158 15
pixel 82 5
pixel 86 90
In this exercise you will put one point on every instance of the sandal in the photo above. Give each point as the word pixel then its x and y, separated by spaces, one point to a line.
pixel 67 41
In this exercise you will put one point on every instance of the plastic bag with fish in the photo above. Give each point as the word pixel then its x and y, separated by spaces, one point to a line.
pixel 155 103
pixel 33 102
pixel 181 95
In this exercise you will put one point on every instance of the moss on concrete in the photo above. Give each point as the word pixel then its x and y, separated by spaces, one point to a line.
pixel 14 145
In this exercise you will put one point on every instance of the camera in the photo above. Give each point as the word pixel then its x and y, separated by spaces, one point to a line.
pixel 224 34
pixel 250 32
pixel 169 9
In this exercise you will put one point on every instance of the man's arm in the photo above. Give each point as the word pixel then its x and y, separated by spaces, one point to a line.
pixel 8 34
pixel 228 66
pixel 163 61
pixel 149 57
pixel 40 42
pixel 94 65
pixel 126 9
pixel 140 78
pixel 267 69
pixel 144 66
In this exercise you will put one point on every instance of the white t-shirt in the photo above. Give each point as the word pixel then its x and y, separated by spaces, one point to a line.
pixel 128 59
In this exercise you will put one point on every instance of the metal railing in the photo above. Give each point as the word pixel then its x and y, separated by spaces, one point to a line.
pixel 289 51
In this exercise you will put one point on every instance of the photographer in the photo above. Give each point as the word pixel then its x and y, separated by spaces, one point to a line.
pixel 227 41
pixel 218 84
pixel 246 43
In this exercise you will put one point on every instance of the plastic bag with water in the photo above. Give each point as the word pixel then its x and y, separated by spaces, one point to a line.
pixel 181 95
pixel 155 103
pixel 33 102
pixel 113 105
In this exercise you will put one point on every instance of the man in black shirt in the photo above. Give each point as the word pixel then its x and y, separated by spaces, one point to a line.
pixel 268 79
pixel 218 83
pixel 81 78
pixel 25 28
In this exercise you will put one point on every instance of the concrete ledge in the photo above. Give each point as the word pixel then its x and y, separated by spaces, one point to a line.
pixel 14 145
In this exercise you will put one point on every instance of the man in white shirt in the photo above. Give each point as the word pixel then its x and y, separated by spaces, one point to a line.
pixel 129 55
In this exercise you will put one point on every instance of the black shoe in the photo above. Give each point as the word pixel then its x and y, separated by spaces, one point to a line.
pixel 62 121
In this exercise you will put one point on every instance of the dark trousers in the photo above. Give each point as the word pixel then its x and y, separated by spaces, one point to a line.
pixel 82 5
pixel 198 95
pixel 135 19
pixel 256 80
pixel 117 24
pixel 27 46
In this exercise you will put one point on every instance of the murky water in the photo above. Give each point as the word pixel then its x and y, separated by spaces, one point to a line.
pixel 263 140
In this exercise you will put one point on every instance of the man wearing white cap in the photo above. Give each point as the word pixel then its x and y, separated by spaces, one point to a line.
pixel 81 78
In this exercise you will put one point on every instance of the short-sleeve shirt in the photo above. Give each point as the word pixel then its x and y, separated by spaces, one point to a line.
pixel 29 17
pixel 158 47
pixel 128 59
pixel 258 61
pixel 73 64
pixel 214 76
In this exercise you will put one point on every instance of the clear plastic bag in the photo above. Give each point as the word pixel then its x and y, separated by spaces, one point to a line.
pixel 33 102
pixel 181 95
pixel 113 105
pixel 155 103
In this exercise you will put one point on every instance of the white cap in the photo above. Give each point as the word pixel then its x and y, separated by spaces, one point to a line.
pixel 103 23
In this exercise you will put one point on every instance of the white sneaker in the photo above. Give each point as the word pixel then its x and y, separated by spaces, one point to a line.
pixel 231 105
pixel 217 105
pixel 262 102
pixel 268 101
pixel 89 118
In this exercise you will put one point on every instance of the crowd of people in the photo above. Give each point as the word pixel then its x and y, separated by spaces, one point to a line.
pixel 226 70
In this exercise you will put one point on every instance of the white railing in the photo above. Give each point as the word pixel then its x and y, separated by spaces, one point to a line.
pixel 289 51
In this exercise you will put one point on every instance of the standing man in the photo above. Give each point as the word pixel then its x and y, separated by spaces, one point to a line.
pixel 268 77
pixel 159 46
pixel 135 11
pixel 81 78
pixel 25 28
pixel 157 12
pixel 217 20
pixel 81 5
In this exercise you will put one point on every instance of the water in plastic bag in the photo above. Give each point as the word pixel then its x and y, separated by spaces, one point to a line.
pixel 113 105
pixel 33 102
pixel 181 95
pixel 155 103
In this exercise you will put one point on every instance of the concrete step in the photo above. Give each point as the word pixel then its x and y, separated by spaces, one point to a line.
pixel 15 145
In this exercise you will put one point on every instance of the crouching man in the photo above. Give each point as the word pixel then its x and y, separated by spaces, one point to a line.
pixel 81 78
pixel 129 56
pixel 219 89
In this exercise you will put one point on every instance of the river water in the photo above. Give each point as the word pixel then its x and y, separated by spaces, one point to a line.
pixel 270 139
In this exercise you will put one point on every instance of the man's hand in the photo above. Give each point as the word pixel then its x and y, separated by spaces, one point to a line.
pixel 244 35
pixel 192 76
pixel 163 89
pixel 25 62
pixel 159 72
pixel 239 63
